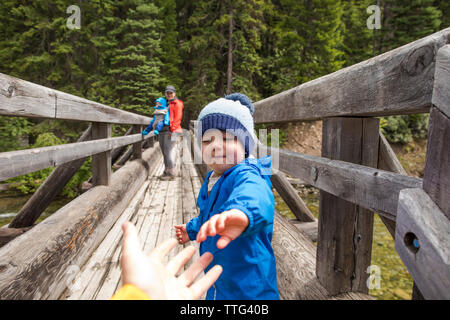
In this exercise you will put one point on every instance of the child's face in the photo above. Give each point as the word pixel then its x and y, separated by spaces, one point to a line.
pixel 221 150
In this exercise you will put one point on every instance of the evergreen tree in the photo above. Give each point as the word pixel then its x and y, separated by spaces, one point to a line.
pixel 134 73
pixel 309 40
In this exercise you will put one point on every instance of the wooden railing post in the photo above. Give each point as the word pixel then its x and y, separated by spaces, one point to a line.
pixel 101 162
pixel 345 229
pixel 422 230
pixel 137 147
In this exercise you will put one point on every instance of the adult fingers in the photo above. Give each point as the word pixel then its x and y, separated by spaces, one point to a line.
pixel 180 260
pixel 202 285
pixel 188 277
pixel 130 242
pixel 163 249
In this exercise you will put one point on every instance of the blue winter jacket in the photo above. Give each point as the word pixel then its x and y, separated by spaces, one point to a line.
pixel 248 262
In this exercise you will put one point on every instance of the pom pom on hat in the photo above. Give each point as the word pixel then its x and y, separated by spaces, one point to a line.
pixel 243 99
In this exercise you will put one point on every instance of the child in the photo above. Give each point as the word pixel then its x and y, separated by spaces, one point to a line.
pixel 236 204
pixel 160 118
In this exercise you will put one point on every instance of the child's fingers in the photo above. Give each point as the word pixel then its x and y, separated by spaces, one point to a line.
pixel 221 223
pixel 223 242
pixel 201 286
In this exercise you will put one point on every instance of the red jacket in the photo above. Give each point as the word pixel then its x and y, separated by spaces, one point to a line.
pixel 176 113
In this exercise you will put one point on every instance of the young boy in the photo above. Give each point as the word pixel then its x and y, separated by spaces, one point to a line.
pixel 236 204
pixel 160 118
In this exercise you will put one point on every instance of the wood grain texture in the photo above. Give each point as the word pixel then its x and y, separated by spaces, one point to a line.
pixel 441 90
pixel 429 262
pixel 436 180
pixel 345 230
pixel 397 82
pixel 295 254
pixel 26 99
pixel 16 163
pixel 373 189
pixel 101 162
pixel 37 264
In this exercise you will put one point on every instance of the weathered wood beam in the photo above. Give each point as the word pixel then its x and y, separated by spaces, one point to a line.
pixel 441 89
pixel 373 189
pixel 436 181
pixel 26 99
pixel 39 264
pixel 344 242
pixel 101 162
pixel 422 241
pixel 16 163
pixel 397 82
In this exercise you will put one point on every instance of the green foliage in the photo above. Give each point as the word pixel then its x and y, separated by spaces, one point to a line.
pixel 401 129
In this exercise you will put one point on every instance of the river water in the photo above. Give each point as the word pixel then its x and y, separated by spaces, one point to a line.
pixel 11 205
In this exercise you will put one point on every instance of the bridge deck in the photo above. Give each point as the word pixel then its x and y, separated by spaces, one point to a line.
pixel 156 208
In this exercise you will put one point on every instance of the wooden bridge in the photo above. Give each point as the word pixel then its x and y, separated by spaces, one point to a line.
pixel 75 253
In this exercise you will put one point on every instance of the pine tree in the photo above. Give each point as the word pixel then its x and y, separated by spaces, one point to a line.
pixel 309 37
pixel 134 71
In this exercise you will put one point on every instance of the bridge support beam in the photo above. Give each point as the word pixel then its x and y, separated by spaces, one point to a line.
pixel 101 162
pixel 345 230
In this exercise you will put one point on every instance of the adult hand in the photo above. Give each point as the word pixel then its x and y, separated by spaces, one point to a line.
pixel 229 224
pixel 148 272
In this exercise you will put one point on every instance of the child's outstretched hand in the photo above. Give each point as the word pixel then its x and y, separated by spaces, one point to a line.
pixel 229 224
pixel 181 233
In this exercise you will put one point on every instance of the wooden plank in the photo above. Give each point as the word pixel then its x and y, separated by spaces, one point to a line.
pixel 436 180
pixel 16 163
pixel 86 281
pixel 101 162
pixel 441 90
pixel 396 82
pixel 422 241
pixel 373 189
pixel 34 265
pixel 290 197
pixel 25 99
pixel 345 230
pixel 295 254
pixel 22 98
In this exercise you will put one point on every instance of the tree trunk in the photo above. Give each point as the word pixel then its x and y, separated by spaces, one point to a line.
pixel 230 55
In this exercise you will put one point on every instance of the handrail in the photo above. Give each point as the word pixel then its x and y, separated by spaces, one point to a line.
pixel 16 163
pixel 396 82
pixel 26 99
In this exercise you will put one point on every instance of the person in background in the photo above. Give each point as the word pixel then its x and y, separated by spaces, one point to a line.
pixel 145 277
pixel 168 135
pixel 160 118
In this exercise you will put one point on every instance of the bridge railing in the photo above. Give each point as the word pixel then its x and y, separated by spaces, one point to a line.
pixel 26 99
pixel 414 78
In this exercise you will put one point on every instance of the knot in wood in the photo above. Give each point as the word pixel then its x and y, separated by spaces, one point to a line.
pixel 417 61
pixel 314 173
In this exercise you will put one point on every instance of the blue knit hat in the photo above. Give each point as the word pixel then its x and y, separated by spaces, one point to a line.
pixel 163 103
pixel 233 113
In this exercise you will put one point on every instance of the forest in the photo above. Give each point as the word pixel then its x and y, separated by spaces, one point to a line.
pixel 123 54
